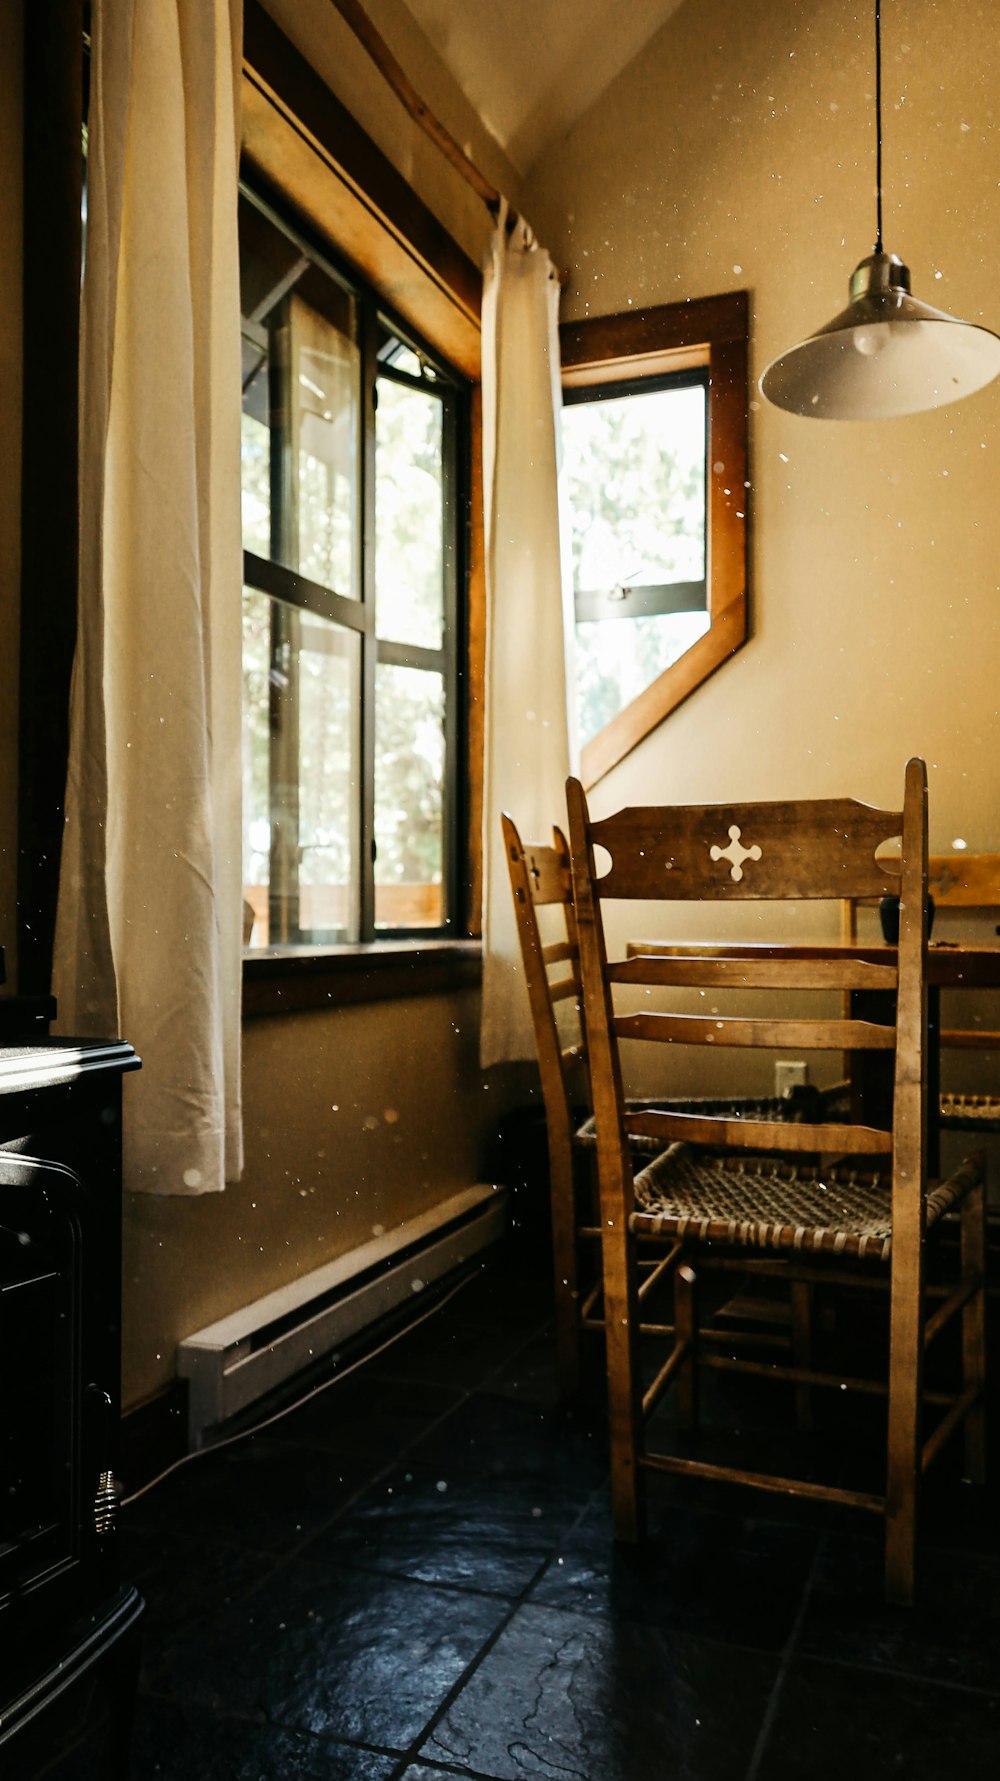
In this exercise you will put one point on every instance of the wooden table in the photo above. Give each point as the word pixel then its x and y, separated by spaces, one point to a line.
pixel 950 965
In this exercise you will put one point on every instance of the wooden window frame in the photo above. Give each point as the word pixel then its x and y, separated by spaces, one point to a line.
pixel 271 577
pixel 710 332
pixel 300 143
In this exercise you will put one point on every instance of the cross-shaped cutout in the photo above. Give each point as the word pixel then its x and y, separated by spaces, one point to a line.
pixel 736 853
pixel 946 881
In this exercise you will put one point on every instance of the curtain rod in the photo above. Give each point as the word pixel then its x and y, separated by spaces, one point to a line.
pixel 374 43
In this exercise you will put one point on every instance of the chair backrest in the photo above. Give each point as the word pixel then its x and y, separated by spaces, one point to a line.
pixel 955 881
pixel 540 877
pixel 964 880
pixel 826 849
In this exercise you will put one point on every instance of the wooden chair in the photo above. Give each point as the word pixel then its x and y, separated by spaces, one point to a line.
pixel 967 882
pixel 540 879
pixel 840 1225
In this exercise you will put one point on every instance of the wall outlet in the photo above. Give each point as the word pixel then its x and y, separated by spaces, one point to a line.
pixel 789 1075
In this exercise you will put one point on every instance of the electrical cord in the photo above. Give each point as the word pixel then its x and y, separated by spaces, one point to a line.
pixel 287 1409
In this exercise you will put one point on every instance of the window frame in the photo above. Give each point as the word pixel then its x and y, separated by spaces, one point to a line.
pixel 358 615
pixel 602 352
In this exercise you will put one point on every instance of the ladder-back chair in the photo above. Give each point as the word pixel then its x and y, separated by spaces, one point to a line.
pixel 540 878
pixel 727 1186
pixel 969 882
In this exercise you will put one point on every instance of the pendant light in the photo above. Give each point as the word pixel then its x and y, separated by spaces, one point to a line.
pixel 886 353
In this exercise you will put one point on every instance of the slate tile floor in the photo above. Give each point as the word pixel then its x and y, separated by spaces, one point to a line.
pixel 412 1577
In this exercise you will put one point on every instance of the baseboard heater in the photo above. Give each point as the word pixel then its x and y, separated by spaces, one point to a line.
pixel 232 1363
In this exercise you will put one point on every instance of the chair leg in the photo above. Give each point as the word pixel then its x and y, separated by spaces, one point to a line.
pixel 625 1421
pixel 802 1297
pixel 565 1282
pixel 973 1253
pixel 906 1354
pixel 686 1330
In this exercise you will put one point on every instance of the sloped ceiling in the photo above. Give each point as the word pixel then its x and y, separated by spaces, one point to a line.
pixel 532 67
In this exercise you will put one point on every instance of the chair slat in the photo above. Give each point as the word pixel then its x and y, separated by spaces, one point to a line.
pixel 754 973
pixel 818 849
pixel 566 987
pixel 806 1035
pixel 548 873
pixel 970 1039
pixel 759 1134
pixel 559 952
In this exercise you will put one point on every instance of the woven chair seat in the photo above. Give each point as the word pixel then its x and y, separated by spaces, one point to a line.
pixel 768 1203
pixel 974 1112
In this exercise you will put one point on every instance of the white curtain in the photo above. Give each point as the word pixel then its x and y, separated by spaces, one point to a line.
pixel 527 754
pixel 149 919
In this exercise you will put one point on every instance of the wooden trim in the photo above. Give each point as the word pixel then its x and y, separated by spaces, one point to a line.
pixel 615 340
pixel 395 75
pixel 711 331
pixel 335 977
pixel 153 1435
pixel 302 140
pixel 476 683
pixel 53 174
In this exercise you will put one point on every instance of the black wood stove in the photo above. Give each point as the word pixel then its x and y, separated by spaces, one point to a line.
pixel 68 1625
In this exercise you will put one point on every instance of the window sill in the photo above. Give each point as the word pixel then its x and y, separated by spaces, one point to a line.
pixel 294 982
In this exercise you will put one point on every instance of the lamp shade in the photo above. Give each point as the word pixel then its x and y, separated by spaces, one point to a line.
pixel 885 354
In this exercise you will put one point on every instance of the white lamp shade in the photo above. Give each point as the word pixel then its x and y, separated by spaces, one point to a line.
pixel 885 354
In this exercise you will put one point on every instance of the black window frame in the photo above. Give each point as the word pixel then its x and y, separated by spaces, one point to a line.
pixel 381 333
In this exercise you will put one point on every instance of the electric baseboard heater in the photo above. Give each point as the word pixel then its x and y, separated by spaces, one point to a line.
pixel 232 1363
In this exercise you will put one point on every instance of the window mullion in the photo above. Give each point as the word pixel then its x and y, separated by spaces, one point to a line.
pixel 369 650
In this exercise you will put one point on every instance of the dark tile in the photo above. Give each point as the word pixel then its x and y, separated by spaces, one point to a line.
pixel 260 1493
pixel 952 1634
pixel 460 1530
pixel 497 1439
pixel 175 1742
pixel 833 1722
pixel 367 1418
pixel 333 1652
pixel 532 1375
pixel 727 1577
pixel 184 1578
pixel 561 1695
pixel 454 1353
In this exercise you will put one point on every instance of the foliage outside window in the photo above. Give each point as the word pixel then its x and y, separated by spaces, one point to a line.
pixel 351 506
pixel 656 493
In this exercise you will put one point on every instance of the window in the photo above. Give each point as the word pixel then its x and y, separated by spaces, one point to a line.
pixel 352 445
pixel 656 489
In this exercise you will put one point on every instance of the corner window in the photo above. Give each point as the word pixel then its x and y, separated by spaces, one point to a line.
pixel 352 443
pixel 656 494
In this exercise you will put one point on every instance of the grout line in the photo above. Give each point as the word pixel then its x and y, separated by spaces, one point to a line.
pixel 516 1602
pixel 785 1664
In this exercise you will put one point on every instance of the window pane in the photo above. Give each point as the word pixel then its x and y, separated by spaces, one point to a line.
pixel 409 792
pixel 301 406
pixel 616 659
pixel 325 390
pixel 409 553
pixel 634 480
pixel 301 774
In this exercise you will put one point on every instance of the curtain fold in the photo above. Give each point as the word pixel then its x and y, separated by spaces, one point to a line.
pixel 148 936
pixel 527 747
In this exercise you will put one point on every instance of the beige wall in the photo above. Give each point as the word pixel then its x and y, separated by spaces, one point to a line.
pixel 357 1118
pixel 11 115
pixel 738 150
pixel 321 35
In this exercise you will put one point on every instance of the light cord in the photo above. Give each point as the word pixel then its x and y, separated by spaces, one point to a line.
pixel 878 123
